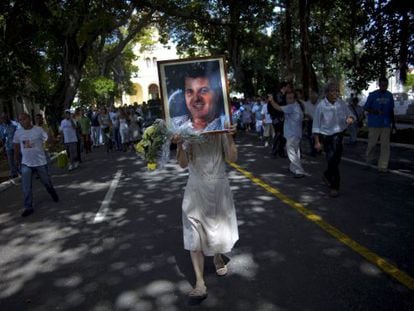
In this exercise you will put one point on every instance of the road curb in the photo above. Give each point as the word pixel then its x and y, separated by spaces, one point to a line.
pixel 376 167
pixel 9 183
pixel 16 181
pixel 408 146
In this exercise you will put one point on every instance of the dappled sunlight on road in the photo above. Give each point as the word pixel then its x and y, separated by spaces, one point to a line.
pixel 41 250
pixel 134 258
pixel 87 187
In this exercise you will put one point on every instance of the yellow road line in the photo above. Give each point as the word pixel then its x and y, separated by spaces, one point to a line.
pixel 384 265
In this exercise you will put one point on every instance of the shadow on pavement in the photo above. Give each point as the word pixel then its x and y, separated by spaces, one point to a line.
pixel 59 259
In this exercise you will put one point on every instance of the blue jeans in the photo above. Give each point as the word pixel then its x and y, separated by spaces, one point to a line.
pixel 27 173
pixel 116 136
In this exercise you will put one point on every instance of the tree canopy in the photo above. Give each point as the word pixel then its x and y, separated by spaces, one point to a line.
pixel 52 50
pixel 307 42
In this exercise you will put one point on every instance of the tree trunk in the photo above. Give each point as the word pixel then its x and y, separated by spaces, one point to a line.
pixel 313 80
pixel 382 56
pixel 110 57
pixel 404 37
pixel 287 43
pixel 65 92
pixel 235 60
pixel 304 51
pixel 234 44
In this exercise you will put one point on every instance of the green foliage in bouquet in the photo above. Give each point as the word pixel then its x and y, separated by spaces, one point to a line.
pixel 152 141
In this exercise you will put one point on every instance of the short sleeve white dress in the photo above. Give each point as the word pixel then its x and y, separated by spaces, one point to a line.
pixel 208 213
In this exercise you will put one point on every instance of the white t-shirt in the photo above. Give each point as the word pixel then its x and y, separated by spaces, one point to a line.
pixel 69 132
pixel 31 145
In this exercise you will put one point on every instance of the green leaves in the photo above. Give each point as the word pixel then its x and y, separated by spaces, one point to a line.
pixel 103 86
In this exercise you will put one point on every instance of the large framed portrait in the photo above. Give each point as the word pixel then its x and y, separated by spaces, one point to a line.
pixel 194 93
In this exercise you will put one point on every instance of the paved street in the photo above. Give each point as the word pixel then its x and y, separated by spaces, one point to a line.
pixel 114 242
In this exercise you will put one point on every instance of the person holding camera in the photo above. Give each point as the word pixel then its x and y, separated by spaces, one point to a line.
pixel 292 130
pixel 279 141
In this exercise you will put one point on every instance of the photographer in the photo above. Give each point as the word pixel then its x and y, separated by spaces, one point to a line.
pixel 279 141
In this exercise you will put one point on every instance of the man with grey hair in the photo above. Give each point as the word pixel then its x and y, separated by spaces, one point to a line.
pixel 331 119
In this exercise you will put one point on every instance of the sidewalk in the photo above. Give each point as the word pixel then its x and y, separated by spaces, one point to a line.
pixel 4 185
pixel 401 159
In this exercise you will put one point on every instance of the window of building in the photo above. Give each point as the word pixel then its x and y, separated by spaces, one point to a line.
pixel 153 91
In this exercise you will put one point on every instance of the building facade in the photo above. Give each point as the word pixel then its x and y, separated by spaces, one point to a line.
pixel 145 81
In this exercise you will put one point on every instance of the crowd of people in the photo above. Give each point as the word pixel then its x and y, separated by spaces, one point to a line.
pixel 283 119
pixel 27 145
pixel 209 218
pixel 114 128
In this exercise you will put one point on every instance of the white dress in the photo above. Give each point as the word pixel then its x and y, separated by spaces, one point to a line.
pixel 123 130
pixel 208 213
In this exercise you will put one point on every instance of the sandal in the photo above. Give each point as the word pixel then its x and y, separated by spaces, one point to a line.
pixel 221 271
pixel 198 293
pixel 221 268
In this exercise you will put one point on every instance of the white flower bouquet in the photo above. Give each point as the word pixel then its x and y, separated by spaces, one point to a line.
pixel 154 146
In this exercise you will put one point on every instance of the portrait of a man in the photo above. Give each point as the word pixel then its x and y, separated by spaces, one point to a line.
pixel 194 94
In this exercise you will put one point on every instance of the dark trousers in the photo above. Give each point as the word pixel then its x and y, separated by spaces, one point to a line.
pixel 78 150
pixel 279 141
pixel 332 145
pixel 87 142
pixel 116 136
pixel 310 138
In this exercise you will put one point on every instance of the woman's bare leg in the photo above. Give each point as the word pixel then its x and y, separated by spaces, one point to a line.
pixel 197 259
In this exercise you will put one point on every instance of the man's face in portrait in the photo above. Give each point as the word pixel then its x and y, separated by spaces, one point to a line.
pixel 199 98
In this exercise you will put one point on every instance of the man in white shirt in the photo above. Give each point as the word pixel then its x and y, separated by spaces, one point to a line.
pixel 292 131
pixel 332 117
pixel 70 139
pixel 203 98
pixel 29 141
